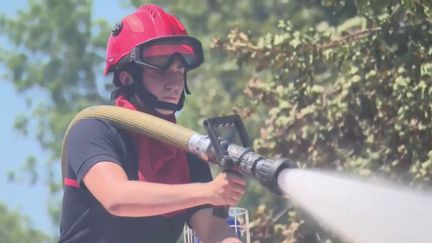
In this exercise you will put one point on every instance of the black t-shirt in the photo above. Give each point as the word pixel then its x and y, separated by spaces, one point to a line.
pixel 84 219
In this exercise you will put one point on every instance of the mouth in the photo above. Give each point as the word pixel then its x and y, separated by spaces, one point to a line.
pixel 169 99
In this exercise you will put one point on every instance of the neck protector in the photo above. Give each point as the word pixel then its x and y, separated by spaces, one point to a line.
pixel 158 162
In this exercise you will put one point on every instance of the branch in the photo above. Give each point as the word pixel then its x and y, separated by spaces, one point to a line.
pixel 352 37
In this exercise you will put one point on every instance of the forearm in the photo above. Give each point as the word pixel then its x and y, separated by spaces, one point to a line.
pixel 110 186
pixel 139 199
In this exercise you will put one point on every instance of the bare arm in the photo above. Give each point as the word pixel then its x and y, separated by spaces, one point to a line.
pixel 109 184
pixel 210 228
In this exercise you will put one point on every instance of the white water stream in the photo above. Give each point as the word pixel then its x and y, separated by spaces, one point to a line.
pixel 359 211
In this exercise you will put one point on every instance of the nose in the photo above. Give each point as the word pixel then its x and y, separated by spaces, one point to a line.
pixel 175 78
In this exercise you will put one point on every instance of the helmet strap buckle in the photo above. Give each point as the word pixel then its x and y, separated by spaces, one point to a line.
pixel 132 55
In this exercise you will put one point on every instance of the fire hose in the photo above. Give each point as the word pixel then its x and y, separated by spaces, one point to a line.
pixel 210 147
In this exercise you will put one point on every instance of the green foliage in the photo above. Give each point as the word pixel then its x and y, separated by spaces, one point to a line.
pixel 343 84
pixel 17 229
pixel 220 79
pixel 56 53
pixel 355 96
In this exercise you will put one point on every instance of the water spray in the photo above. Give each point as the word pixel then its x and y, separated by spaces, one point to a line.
pixel 359 210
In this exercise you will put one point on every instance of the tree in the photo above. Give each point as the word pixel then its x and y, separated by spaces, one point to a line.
pixel 60 58
pixel 342 84
pixel 350 93
pixel 15 228
pixel 67 75
pixel 221 80
pixel 57 53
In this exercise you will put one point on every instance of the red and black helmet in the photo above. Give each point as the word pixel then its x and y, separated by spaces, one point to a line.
pixel 151 37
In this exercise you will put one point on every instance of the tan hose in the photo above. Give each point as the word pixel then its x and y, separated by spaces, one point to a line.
pixel 135 121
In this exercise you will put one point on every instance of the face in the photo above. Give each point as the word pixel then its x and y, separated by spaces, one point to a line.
pixel 166 85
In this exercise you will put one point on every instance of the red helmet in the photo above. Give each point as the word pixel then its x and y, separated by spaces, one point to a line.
pixel 148 33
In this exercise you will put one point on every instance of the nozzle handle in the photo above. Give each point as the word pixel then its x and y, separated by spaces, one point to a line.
pixel 222 211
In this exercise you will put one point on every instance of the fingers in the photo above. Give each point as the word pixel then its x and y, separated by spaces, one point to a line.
pixel 237 183
pixel 230 187
pixel 237 189
pixel 234 199
pixel 235 178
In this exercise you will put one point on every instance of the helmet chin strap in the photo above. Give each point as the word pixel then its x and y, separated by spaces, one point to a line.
pixel 152 102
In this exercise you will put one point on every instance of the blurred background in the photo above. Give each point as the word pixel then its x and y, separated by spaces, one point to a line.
pixel 336 84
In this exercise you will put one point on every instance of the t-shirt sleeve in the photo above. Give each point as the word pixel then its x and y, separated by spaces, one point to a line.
pixel 199 169
pixel 91 141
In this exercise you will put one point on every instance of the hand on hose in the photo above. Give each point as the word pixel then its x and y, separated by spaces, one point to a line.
pixel 226 189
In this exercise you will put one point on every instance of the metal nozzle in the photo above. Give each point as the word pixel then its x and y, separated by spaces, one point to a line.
pixel 267 172
pixel 246 161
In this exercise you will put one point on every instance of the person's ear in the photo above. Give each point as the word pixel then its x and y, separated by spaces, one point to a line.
pixel 125 78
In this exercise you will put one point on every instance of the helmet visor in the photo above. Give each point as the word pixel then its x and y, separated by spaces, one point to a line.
pixel 159 53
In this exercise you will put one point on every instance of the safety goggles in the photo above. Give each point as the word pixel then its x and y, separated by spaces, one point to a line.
pixel 159 53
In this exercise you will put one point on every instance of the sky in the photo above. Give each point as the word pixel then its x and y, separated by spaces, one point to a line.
pixel 15 148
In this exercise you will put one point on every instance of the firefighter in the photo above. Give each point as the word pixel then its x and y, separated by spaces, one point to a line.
pixel 124 187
